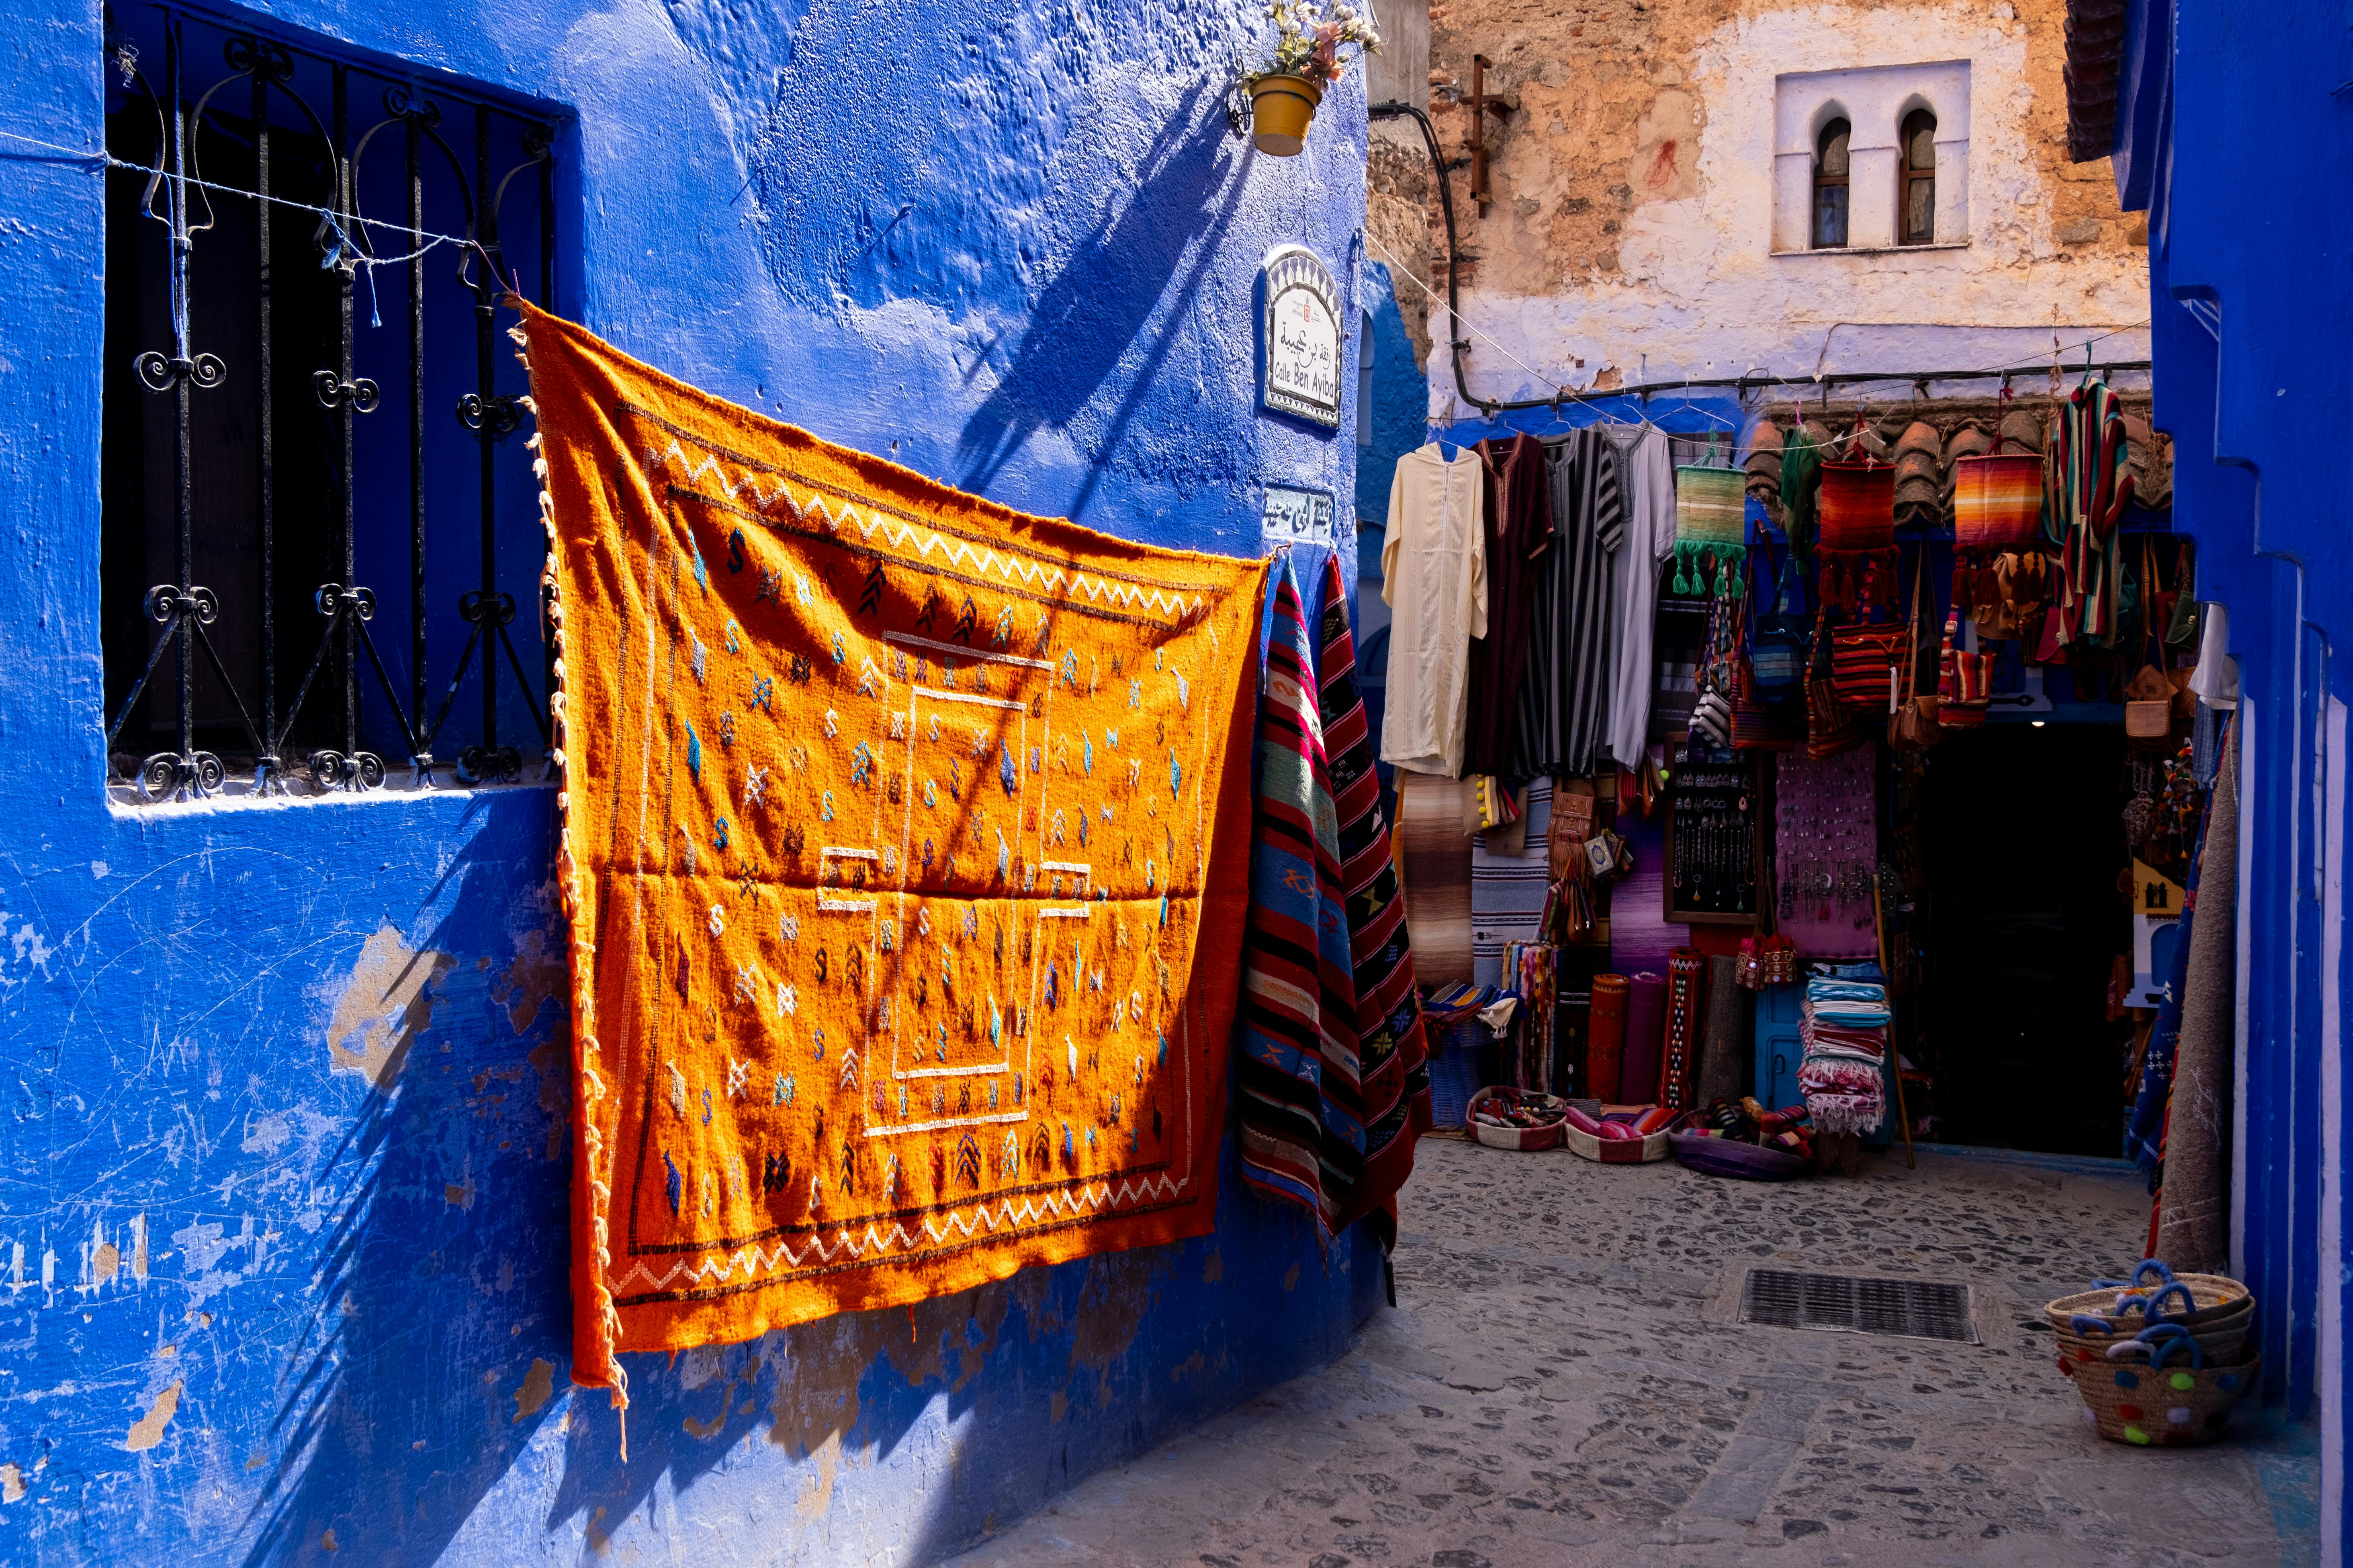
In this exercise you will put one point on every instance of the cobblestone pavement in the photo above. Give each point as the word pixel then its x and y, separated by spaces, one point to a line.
pixel 1565 1382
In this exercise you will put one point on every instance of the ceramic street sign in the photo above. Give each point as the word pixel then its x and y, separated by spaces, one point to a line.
pixel 1302 337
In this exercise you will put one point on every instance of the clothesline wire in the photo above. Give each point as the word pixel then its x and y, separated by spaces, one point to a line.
pixel 1374 240
pixel 337 220
pixel 1563 394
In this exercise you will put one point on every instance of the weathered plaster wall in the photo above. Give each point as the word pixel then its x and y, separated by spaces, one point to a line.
pixel 1632 221
pixel 282 1183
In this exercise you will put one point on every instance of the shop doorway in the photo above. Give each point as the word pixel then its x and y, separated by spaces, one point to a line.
pixel 2022 844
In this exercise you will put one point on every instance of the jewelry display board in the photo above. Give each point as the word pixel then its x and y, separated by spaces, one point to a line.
pixel 1826 847
pixel 1715 848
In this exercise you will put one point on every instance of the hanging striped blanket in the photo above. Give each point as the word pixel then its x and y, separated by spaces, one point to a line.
pixel 1333 1082
pixel 1392 1051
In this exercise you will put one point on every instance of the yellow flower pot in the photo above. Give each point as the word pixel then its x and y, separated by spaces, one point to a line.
pixel 1282 107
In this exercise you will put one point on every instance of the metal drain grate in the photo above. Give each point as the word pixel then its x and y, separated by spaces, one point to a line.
pixel 1855 1304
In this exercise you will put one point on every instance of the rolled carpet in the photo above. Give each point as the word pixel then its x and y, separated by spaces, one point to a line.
pixel 1724 1055
pixel 1686 999
pixel 1435 860
pixel 1605 1040
pixel 1646 1030
pixel 2194 1210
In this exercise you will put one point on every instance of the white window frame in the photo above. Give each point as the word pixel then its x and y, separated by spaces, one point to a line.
pixel 1873 101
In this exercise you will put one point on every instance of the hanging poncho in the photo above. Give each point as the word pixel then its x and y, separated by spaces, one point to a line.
pixel 2089 486
pixel 1711 505
pixel 1856 546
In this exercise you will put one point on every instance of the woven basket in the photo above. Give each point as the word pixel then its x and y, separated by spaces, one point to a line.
pixel 1526 1140
pixel 2219 1341
pixel 1617 1150
pixel 2163 1403
pixel 2213 1298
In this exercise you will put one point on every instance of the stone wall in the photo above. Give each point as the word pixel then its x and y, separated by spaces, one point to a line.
pixel 1630 232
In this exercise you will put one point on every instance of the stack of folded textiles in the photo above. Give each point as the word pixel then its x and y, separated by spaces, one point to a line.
pixel 1844 1029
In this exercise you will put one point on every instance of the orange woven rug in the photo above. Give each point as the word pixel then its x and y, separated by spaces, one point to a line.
pixel 905 849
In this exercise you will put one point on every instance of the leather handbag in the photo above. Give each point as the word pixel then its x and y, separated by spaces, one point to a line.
pixel 1572 824
pixel 2148 706
pixel 1831 726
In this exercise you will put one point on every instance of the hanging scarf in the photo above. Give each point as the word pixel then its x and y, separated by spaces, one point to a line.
pixel 2087 486
pixel 1711 510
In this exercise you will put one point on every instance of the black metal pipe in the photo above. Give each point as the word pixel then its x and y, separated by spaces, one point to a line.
pixel 1456 344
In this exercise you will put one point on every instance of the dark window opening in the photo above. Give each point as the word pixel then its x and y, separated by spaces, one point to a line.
pixel 1918 173
pixel 1831 185
pixel 322 543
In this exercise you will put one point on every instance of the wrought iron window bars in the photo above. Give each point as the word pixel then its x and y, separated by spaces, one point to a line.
pixel 265 76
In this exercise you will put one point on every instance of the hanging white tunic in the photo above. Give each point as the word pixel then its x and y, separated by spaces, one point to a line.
pixel 1434 581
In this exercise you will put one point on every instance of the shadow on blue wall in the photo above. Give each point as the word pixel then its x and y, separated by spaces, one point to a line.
pixel 1089 318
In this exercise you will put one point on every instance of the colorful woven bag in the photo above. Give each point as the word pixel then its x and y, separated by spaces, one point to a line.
pixel 1856 542
pixel 1865 660
pixel 1711 510
pixel 1964 680
pixel 1997 500
pixel 1776 639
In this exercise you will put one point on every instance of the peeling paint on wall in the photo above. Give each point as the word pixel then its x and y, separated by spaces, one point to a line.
pixel 147 1430
pixel 384 1007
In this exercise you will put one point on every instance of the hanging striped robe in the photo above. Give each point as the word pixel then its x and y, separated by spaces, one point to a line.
pixel 1565 689
pixel 1392 1062
pixel 1303 1134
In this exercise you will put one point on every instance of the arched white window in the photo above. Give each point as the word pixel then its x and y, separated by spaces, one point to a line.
pixel 1831 184
pixel 1915 174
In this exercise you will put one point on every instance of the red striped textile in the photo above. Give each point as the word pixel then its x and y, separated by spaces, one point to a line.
pixel 1392 1051
pixel 1302 1132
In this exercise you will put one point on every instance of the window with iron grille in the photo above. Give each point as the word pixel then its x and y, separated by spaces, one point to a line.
pixel 323 549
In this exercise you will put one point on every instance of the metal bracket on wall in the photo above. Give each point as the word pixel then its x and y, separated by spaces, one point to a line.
pixel 1238 99
pixel 1481 106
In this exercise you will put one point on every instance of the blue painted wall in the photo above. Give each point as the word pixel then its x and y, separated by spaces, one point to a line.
pixel 2253 381
pixel 255 1307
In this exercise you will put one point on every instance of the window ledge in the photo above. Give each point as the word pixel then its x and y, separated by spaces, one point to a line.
pixel 1877 249
pixel 238 794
